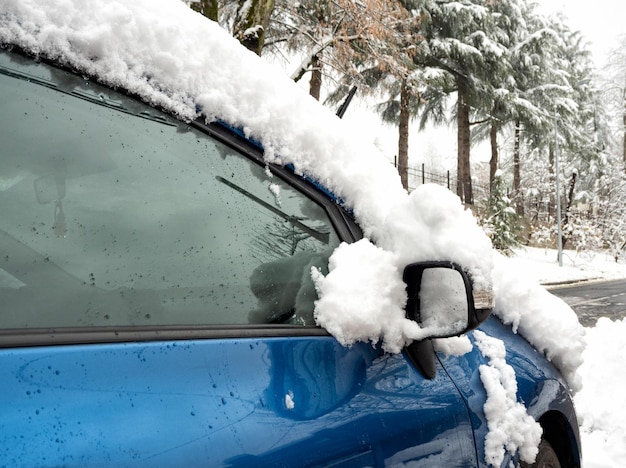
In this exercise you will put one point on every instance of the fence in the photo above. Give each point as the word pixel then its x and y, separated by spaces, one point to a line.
pixel 418 175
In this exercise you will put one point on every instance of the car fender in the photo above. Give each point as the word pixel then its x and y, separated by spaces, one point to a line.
pixel 539 387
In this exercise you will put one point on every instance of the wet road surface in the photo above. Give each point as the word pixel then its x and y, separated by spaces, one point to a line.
pixel 593 300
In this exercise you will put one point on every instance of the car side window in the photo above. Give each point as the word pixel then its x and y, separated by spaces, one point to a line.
pixel 114 214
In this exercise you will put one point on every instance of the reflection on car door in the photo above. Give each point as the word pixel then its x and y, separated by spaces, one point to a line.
pixel 297 401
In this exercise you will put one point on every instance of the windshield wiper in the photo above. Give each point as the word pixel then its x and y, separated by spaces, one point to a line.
pixel 320 236
pixel 98 99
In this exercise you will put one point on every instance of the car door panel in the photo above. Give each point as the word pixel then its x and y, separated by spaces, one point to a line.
pixel 274 401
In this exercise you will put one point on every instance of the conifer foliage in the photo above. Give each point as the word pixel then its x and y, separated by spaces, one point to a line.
pixel 493 70
pixel 501 222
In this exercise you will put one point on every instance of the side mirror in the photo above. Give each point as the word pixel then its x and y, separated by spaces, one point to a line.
pixel 441 298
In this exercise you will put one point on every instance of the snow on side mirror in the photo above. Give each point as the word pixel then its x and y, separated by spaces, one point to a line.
pixel 442 300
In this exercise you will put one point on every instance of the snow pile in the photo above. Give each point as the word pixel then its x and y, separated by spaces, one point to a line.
pixel 453 346
pixel 432 224
pixel 363 296
pixel 174 58
pixel 602 401
pixel 289 403
pixel 510 426
pixel 546 321
pixel 346 307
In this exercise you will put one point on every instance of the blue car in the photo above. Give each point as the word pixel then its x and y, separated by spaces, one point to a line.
pixel 157 306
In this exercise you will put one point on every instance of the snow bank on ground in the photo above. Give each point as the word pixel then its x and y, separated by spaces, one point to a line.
pixel 601 404
pixel 540 265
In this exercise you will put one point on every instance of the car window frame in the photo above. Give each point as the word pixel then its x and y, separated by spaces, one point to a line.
pixel 343 223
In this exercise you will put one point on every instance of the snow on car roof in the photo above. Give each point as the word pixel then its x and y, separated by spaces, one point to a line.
pixel 174 58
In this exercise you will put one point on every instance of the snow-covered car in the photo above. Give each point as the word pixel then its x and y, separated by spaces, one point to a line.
pixel 202 266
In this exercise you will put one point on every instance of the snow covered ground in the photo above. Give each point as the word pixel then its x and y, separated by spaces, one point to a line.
pixel 601 404
pixel 541 264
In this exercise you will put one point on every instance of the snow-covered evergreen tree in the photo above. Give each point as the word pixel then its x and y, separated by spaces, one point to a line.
pixel 502 222
pixel 614 95
pixel 498 68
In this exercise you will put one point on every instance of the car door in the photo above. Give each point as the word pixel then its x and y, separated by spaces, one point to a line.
pixel 242 402
pixel 157 305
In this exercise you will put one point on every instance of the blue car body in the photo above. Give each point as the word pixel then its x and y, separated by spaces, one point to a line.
pixel 152 391
pixel 256 401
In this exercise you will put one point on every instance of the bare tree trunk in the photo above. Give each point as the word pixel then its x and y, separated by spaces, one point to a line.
pixel 252 20
pixel 464 174
pixel 208 8
pixel 570 202
pixel 493 162
pixel 517 178
pixel 315 84
pixel 403 137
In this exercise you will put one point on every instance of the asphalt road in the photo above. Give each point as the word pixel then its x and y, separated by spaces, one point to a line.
pixel 593 300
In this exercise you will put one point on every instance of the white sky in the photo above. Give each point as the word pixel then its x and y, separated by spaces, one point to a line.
pixel 601 21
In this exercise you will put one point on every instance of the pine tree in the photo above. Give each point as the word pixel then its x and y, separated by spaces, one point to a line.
pixel 502 222
pixel 614 95
pixel 462 41
pixel 610 217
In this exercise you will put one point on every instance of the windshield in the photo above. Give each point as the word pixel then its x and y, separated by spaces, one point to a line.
pixel 114 214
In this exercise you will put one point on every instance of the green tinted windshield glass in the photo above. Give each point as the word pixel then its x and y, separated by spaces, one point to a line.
pixel 114 214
